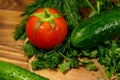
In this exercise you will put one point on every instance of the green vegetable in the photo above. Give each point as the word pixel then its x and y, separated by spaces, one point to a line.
pixel 97 29
pixel 10 71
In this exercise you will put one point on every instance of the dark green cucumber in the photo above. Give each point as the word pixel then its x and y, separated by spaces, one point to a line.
pixel 10 71
pixel 97 29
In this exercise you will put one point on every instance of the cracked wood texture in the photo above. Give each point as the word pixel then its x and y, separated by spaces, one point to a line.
pixel 11 50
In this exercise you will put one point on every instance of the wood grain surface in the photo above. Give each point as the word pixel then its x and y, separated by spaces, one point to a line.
pixel 11 50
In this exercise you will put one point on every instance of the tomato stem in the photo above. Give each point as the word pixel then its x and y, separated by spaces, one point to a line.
pixel 45 16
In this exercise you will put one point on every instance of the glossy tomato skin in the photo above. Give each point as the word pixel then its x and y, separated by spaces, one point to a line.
pixel 46 37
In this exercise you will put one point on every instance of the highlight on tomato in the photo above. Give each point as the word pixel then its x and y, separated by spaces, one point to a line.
pixel 46 28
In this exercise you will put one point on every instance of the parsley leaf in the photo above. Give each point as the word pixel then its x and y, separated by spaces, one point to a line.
pixel 29 49
pixel 91 67
pixel 109 57
pixel 64 66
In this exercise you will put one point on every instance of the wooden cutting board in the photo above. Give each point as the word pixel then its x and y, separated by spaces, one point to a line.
pixel 11 50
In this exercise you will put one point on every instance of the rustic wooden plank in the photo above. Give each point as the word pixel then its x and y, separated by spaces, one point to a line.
pixel 17 5
pixel 7 28
pixel 13 55
pixel 10 17
pixel 6 38
pixel 19 63
pixel 11 49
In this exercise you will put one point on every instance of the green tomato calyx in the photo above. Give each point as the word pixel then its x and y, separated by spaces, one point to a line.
pixel 45 16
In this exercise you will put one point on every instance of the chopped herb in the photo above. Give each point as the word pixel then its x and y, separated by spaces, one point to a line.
pixel 29 49
pixel 91 67
pixel 109 57
pixel 64 66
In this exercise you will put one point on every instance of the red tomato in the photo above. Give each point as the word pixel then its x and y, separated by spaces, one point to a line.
pixel 46 28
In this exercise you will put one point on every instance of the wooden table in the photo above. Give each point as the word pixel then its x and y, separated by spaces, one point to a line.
pixel 11 50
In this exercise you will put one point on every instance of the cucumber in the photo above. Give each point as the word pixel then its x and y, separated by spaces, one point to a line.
pixel 9 71
pixel 97 29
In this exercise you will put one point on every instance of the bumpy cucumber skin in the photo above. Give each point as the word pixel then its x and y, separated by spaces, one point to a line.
pixel 10 71
pixel 97 29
